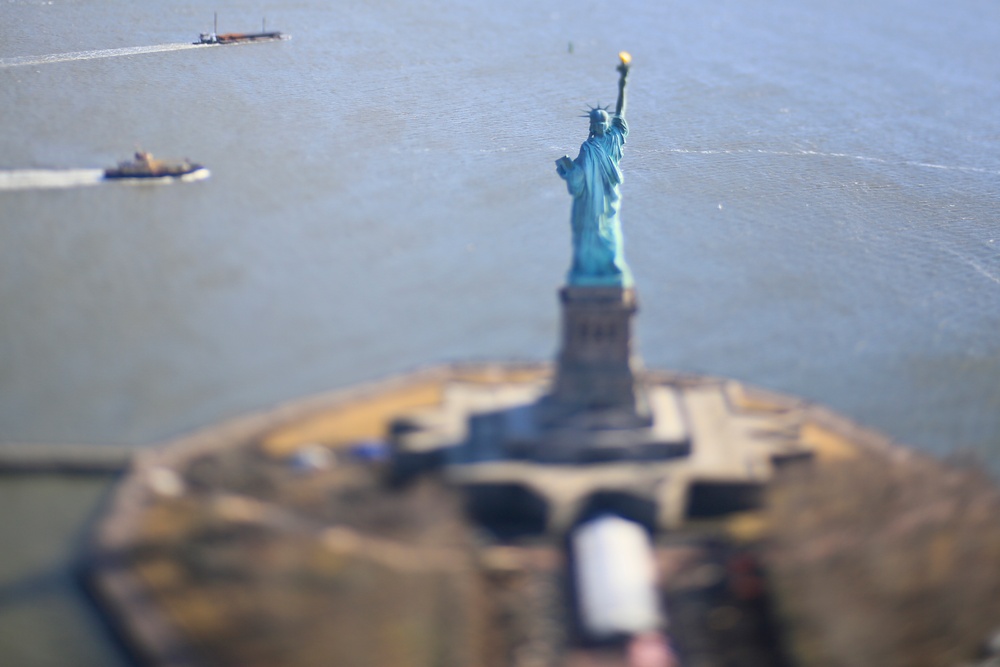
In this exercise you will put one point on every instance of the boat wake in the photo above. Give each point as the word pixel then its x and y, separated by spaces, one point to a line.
pixel 33 179
pixel 42 179
pixel 861 158
pixel 23 61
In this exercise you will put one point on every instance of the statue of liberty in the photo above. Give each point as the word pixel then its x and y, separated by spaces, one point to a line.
pixel 593 179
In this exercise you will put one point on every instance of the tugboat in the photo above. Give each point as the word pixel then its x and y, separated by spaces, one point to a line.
pixel 239 37
pixel 145 166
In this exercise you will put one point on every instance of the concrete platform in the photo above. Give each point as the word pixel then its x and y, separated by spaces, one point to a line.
pixel 241 482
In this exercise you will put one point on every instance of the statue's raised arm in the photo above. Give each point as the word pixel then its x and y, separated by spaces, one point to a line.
pixel 626 61
pixel 593 179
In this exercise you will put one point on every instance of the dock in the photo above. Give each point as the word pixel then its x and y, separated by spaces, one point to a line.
pixel 64 458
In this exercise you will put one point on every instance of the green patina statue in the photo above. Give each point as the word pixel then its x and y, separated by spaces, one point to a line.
pixel 593 179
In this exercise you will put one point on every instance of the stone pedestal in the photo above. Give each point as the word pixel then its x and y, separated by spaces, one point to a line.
pixel 595 370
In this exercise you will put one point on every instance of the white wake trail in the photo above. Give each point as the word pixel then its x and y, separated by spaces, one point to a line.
pixel 23 61
pixel 32 179
pixel 861 158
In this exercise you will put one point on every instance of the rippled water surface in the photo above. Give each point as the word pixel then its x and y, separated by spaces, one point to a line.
pixel 810 204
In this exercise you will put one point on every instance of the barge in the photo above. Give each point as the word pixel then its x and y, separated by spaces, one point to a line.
pixel 239 37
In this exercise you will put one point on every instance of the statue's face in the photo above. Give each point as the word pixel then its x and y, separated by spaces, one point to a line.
pixel 599 121
pixel 598 127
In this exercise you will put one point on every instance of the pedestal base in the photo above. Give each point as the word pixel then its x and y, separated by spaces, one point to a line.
pixel 595 371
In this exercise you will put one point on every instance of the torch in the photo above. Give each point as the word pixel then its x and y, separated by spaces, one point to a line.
pixel 626 60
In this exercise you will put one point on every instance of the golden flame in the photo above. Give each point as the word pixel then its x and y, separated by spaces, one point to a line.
pixel 625 57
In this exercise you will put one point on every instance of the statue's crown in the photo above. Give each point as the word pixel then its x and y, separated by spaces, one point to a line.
pixel 598 113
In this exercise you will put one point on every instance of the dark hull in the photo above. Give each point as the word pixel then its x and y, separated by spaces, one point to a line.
pixel 151 174
pixel 241 38
pixel 233 38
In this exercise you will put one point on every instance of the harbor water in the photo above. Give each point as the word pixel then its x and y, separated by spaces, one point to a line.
pixel 810 205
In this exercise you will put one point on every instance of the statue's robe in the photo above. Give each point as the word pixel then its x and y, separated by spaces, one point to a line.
pixel 593 180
